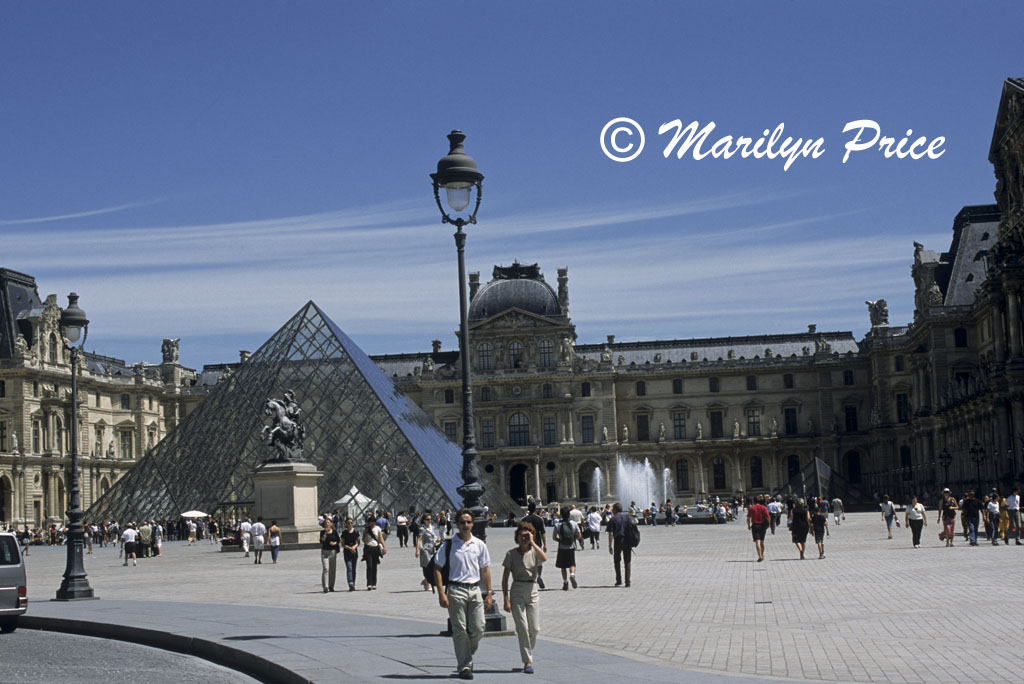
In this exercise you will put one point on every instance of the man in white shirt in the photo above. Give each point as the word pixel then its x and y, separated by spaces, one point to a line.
pixel 128 537
pixel 576 515
pixel 470 565
pixel 837 509
pixel 594 527
pixel 244 530
pixel 1013 509
pixel 775 509
pixel 259 536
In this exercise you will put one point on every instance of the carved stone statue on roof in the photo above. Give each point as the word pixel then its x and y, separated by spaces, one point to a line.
pixel 169 349
pixel 879 312
pixel 20 346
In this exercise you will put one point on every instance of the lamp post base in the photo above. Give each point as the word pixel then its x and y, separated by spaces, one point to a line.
pixel 75 591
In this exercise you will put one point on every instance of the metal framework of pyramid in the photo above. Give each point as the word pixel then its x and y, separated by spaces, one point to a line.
pixel 361 431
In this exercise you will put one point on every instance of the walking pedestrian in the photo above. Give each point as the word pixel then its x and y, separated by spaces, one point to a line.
pixel 888 513
pixel 427 542
pixel 275 540
pixel 259 538
pixel 128 537
pixel 191 531
pixel 402 529
pixel 350 539
pixel 566 534
pixel 775 512
pixel 373 551
pixel 971 509
pixel 1013 511
pixel 541 535
pixel 837 510
pixel 329 542
pixel 947 517
pixel 522 599
pixel 594 527
pixel 800 525
pixel 470 566
pixel 245 532
pixel 915 519
pixel 758 520
pixel 819 522
pixel 618 547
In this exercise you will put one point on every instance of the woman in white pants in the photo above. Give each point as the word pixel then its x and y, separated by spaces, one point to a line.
pixel 522 565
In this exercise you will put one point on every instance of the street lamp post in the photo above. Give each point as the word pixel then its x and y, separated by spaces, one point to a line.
pixel 978 456
pixel 458 175
pixel 945 459
pixel 75 586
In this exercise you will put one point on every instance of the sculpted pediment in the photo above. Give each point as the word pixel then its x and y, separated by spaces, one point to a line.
pixel 514 318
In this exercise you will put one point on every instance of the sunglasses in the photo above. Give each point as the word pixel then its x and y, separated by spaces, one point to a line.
pixel 465 522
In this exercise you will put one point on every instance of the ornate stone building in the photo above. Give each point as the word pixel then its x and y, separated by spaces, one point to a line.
pixel 729 416
pixel 123 410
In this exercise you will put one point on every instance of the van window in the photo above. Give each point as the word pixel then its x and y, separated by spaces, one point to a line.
pixel 9 554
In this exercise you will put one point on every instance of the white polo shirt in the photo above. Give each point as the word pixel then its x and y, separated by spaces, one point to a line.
pixel 1013 502
pixel 468 557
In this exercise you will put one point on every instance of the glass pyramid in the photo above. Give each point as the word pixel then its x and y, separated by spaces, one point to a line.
pixel 361 431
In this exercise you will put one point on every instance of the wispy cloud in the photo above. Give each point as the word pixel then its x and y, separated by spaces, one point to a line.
pixel 77 215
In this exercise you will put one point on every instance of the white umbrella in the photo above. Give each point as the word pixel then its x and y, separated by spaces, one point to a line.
pixel 193 514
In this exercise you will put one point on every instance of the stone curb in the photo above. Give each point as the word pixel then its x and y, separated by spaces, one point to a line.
pixel 232 658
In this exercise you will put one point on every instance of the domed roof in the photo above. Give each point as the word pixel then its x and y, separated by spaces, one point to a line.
pixel 515 287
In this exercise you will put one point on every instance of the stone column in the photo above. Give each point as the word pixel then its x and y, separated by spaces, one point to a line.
pixel 536 478
pixel 502 476
pixel 998 332
pixel 1013 321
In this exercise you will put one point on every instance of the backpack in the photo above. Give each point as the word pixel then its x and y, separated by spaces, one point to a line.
pixel 565 533
pixel 632 534
pixel 432 565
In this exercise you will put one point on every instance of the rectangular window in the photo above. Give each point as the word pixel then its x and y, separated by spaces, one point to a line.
pixel 677 386
pixel 35 388
pixel 902 408
pixel 36 437
pixel 451 430
pixel 787 381
pixel 682 475
pixel 449 396
pixel 485 394
pixel 587 429
pixel 126 445
pixel 713 384
pixel 550 436
pixel 960 337
pixel 585 389
pixel 126 402
pixel 641 389
pixel 150 403
pixel 3 388
pixel 790 419
pixel 751 382
pixel 678 426
pixel 487 433
pixel 716 424
pixel 848 377
pixel 851 418
pixel 753 423
pixel 3 436
pixel 899 364
pixel 97 400
pixel 546 392
pixel 643 428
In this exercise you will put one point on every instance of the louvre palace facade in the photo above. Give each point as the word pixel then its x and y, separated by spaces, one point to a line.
pixel 906 408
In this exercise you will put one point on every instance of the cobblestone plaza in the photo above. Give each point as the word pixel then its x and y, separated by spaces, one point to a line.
pixel 873 610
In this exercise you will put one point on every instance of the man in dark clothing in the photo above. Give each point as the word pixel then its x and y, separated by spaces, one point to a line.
pixel 542 540
pixel 972 507
pixel 617 545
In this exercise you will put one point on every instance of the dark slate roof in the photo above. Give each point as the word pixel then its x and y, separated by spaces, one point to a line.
pixel 18 296
pixel 515 287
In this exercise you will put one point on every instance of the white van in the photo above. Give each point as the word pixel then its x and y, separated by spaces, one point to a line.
pixel 13 587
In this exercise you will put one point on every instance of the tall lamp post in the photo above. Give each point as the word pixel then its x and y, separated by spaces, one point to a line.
pixel 75 585
pixel 945 459
pixel 978 456
pixel 458 175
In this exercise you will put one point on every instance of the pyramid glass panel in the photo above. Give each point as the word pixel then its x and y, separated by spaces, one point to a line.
pixel 360 430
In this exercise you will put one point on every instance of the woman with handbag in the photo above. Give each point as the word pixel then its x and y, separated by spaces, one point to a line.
pixel 426 545
pixel 373 551
pixel 947 516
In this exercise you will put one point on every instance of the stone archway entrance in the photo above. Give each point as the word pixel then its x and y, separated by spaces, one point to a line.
pixel 517 482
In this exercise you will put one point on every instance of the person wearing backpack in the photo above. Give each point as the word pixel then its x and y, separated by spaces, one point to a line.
pixel 622 552
pixel 566 535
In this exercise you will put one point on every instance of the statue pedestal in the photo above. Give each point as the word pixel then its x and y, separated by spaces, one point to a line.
pixel 287 492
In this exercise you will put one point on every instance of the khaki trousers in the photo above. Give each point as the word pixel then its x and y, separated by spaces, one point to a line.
pixel 525 600
pixel 466 610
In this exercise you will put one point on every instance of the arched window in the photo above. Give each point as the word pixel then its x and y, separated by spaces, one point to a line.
pixel 485 357
pixel 518 430
pixel 547 354
pixel 515 355
pixel 53 348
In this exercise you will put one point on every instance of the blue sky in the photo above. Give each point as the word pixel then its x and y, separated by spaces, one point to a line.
pixel 201 170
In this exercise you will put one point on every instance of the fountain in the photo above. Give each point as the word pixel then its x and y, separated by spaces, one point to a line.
pixel 666 485
pixel 595 481
pixel 635 481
